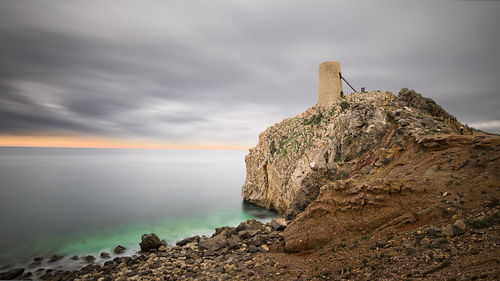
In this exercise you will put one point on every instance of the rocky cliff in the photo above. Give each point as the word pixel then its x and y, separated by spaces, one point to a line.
pixel 362 131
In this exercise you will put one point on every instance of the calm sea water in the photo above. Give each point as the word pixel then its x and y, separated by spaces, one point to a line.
pixel 84 201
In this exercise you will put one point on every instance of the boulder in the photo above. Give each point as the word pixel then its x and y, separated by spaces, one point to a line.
pixel 119 249
pixel 105 255
pixel 151 242
pixel 250 224
pixel 278 224
pixel 245 234
pixel 89 259
pixel 227 231
pixel 233 242
pixel 214 243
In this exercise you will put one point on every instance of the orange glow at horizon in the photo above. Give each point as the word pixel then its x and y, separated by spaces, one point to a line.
pixel 97 142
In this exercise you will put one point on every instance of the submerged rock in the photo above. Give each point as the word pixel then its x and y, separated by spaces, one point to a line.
pixel 55 258
pixel 119 249
pixel 11 274
pixel 89 259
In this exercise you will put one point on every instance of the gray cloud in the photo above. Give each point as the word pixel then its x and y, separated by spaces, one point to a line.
pixel 221 71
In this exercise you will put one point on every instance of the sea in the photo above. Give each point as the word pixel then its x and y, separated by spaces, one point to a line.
pixel 84 201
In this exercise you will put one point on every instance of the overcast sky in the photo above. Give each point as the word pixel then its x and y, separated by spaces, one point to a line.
pixel 222 71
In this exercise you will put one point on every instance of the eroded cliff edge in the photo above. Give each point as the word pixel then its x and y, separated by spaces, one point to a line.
pixel 297 156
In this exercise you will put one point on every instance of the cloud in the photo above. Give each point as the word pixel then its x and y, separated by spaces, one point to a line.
pixel 221 71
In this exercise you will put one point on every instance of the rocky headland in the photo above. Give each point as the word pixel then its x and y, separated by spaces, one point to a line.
pixel 375 187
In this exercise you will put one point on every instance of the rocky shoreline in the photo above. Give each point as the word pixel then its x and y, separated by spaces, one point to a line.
pixel 228 254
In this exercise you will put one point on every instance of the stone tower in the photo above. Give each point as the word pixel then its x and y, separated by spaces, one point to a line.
pixel 330 83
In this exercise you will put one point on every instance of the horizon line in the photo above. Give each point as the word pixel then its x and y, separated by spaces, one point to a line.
pixel 100 142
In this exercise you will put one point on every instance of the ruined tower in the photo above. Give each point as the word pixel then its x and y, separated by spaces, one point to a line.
pixel 330 83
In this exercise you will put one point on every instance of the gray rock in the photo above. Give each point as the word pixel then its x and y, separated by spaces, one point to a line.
pixel 448 230
pixel 214 243
pixel 380 244
pixel 278 224
pixel 190 254
pixel 233 242
pixel 89 259
pixel 188 240
pixel 151 242
pixel 245 234
pixel 227 231
pixel 257 240
pixel 252 249
pixel 460 225
pixel 105 255
pixel 119 249
pixel 55 258
pixel 34 264
pixel 75 258
pixel 11 274
pixel 250 224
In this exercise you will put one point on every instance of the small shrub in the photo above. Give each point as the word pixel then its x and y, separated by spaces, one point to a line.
pixel 272 147
pixel 344 105
pixel 284 152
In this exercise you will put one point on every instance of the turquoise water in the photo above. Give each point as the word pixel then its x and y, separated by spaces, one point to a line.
pixel 85 201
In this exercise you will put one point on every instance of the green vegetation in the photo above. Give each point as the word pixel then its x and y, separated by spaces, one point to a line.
pixel 272 147
pixel 314 120
pixel 332 110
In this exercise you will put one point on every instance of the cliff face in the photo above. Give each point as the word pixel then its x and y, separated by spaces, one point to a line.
pixel 297 156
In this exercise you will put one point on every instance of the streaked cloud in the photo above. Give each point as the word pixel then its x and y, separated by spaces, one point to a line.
pixel 222 71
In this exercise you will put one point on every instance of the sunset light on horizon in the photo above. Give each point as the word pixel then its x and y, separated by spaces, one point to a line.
pixel 100 142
